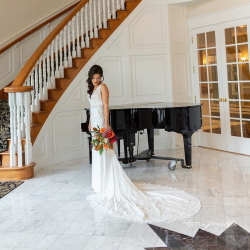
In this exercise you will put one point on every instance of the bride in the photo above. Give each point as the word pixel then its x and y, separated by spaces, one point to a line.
pixel 116 194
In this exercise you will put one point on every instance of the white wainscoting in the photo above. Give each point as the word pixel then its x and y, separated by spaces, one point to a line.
pixel 13 59
pixel 138 67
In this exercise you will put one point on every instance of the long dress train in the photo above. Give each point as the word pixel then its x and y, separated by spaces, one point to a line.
pixel 117 195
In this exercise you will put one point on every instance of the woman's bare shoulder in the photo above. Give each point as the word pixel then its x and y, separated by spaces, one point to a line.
pixel 104 87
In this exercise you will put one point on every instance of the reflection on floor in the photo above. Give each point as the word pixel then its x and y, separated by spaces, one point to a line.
pixel 234 238
pixel 50 211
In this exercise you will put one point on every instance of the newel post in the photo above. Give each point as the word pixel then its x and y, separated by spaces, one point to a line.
pixel 20 117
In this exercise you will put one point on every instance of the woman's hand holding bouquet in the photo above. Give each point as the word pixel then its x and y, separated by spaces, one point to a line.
pixel 103 139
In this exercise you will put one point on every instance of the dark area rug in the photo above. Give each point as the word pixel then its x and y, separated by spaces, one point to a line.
pixel 8 186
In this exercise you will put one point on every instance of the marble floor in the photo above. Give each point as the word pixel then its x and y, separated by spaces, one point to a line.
pixel 50 211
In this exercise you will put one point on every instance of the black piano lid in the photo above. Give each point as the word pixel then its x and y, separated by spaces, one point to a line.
pixel 153 105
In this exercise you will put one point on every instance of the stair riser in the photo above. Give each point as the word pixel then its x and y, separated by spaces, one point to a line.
pixel 70 72
pixel 79 62
pixel 38 117
pixel 6 159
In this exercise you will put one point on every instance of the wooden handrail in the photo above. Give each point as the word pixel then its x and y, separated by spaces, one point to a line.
pixel 37 27
pixel 24 73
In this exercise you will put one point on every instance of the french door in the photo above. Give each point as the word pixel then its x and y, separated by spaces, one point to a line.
pixel 222 85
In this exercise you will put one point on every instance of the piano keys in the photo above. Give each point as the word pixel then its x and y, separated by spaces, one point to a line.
pixel 127 120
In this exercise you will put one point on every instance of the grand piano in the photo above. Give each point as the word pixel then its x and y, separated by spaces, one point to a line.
pixel 127 120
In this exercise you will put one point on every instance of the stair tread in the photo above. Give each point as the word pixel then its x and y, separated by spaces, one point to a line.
pixel 8 152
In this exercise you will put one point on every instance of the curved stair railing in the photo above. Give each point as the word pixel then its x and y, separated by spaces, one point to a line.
pixel 57 54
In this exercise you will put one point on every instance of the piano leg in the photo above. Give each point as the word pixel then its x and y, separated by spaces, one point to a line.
pixel 90 150
pixel 151 140
pixel 187 139
pixel 119 147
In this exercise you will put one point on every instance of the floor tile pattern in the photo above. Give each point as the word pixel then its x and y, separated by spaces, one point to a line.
pixel 50 211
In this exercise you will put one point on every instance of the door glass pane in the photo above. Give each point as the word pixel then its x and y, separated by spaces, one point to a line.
pixel 201 41
pixel 211 55
pixel 216 128
pixel 214 90
pixel 208 82
pixel 206 124
pixel 243 53
pixel 245 110
pixel 244 71
pixel 232 72
pixel 231 54
pixel 204 90
pixel 241 34
pixel 245 90
pixel 215 108
pixel 234 109
pixel 202 59
pixel 211 39
pixel 246 129
pixel 212 73
pixel 233 90
pixel 203 74
pixel 235 128
pixel 205 107
pixel 230 36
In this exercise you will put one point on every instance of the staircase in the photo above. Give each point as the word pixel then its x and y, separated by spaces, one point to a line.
pixel 43 107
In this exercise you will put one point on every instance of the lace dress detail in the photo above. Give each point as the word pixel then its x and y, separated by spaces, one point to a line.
pixel 117 195
pixel 96 106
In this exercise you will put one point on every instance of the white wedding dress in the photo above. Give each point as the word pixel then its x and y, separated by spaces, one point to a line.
pixel 117 195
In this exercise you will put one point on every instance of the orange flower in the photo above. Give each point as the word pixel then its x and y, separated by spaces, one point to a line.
pixel 110 134
pixel 105 146
pixel 102 130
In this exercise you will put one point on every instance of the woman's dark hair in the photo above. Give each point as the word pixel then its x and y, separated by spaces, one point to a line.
pixel 95 69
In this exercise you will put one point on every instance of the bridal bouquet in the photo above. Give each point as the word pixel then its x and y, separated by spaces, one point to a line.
pixel 103 139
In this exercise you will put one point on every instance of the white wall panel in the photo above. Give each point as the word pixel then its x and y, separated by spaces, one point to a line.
pixel 66 127
pixel 178 27
pixel 181 77
pixel 6 67
pixel 148 29
pixel 118 44
pixel 28 46
pixel 149 76
pixel 113 75
pixel 42 149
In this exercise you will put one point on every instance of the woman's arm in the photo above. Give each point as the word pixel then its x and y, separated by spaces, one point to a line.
pixel 105 100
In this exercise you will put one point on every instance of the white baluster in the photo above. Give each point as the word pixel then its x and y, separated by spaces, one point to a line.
pixel 91 33
pixel 113 9
pixel 69 25
pixel 45 86
pixel 73 23
pixel 66 63
pixel 33 107
pixel 48 67
pixel 123 4
pixel 118 6
pixel 61 68
pixel 95 21
pixel 28 145
pixel 12 148
pixel 108 9
pixel 78 48
pixel 40 87
pixel 22 126
pixel 82 29
pixel 104 18
pixel 36 84
pixel 57 73
pixel 52 61
pixel 86 24
pixel 19 103
pixel 99 2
